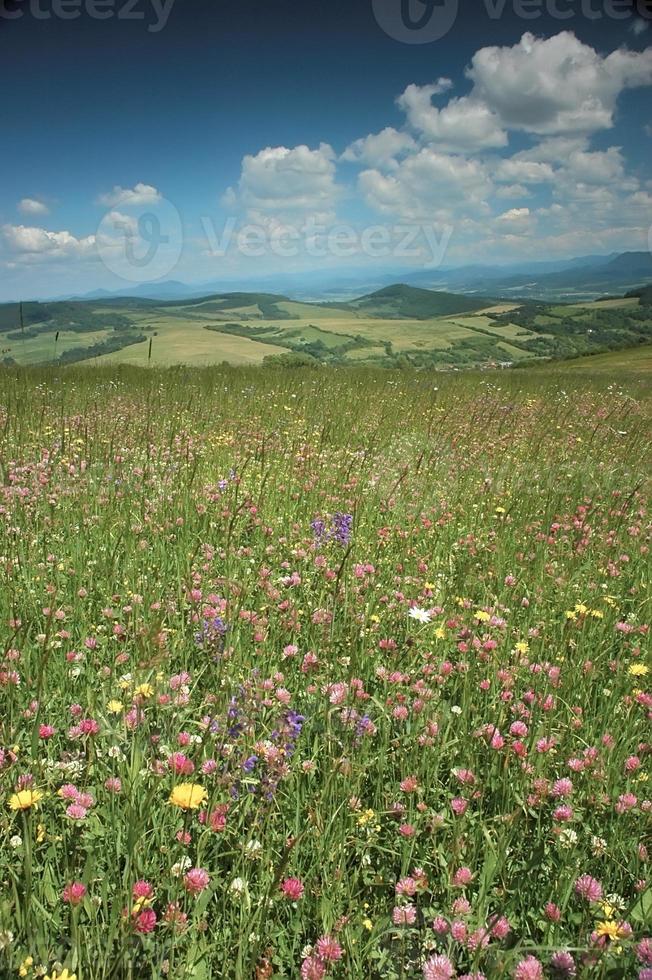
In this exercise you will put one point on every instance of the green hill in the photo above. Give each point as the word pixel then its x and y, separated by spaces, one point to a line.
pixel 400 302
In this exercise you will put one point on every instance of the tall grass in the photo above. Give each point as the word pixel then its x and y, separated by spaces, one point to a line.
pixel 414 736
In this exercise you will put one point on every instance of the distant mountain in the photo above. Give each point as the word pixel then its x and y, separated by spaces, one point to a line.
pixel 645 295
pixel 402 301
pixel 631 264
pixel 582 277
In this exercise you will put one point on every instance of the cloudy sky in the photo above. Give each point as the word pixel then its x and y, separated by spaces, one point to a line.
pixel 197 141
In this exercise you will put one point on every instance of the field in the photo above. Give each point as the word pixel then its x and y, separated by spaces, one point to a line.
pixel 336 673
pixel 399 326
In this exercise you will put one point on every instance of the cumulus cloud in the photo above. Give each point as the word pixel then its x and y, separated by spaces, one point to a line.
pixel 35 242
pixel 141 194
pixel 462 124
pixel 428 185
pixel 287 180
pixel 30 205
pixel 524 171
pixel 379 149
pixel 556 85
pixel 516 221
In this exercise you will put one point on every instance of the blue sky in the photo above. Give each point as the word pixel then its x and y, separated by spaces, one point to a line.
pixel 328 140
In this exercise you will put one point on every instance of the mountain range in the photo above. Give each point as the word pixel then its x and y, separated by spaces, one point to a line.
pixel 582 278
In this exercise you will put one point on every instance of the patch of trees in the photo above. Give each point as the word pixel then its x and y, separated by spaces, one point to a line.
pixel 108 346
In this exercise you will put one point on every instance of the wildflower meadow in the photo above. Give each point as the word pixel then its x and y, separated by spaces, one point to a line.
pixel 324 674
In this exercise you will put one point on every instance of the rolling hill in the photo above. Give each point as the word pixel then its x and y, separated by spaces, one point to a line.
pixel 398 325
pixel 401 301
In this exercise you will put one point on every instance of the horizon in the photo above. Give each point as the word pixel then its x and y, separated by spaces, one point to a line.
pixel 516 140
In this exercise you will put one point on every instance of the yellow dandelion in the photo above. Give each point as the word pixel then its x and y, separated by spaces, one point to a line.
pixel 25 799
pixel 596 614
pixel 440 633
pixel 522 646
pixel 64 975
pixel 638 670
pixel 114 707
pixel 612 930
pixel 188 796
pixel 482 616
pixel 368 924
pixel 144 691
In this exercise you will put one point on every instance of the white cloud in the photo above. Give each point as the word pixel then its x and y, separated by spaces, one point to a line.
pixel 379 149
pixel 599 167
pixel 554 149
pixel 428 186
pixel 639 26
pixel 516 221
pixel 29 205
pixel 556 85
pixel 513 191
pixel 29 241
pixel 287 181
pixel 524 171
pixel 141 194
pixel 462 124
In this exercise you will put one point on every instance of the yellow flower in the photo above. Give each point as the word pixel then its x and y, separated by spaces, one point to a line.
pixel 366 817
pixel 188 796
pixel 482 616
pixel 25 799
pixel 368 924
pixel 581 608
pixel 612 930
pixel 24 966
pixel 440 633
pixel 40 833
pixel 638 670
pixel 570 614
pixel 144 691
pixel 114 707
pixel 522 646
pixel 64 975
pixel 500 510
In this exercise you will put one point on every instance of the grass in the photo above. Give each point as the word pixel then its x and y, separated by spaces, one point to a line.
pixel 392 627
pixel 637 360
pixel 398 326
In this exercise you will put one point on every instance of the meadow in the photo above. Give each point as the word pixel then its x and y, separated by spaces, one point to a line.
pixel 396 327
pixel 324 673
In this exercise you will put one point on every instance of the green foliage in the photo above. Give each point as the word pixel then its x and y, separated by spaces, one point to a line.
pixel 138 506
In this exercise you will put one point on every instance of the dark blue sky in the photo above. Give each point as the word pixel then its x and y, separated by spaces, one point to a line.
pixel 102 104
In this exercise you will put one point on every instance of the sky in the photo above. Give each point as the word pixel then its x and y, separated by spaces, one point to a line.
pixel 220 140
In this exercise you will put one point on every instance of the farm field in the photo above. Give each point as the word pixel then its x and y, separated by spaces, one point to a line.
pixel 324 674
pixel 399 326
